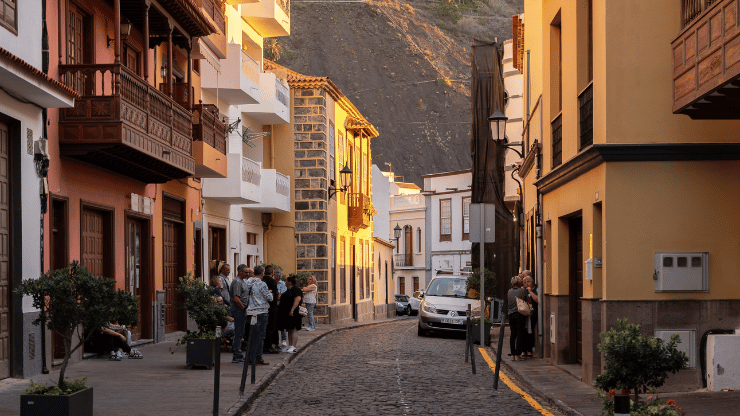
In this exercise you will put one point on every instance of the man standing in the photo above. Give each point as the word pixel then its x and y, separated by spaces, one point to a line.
pixel 271 338
pixel 281 289
pixel 239 302
pixel 259 304
pixel 226 282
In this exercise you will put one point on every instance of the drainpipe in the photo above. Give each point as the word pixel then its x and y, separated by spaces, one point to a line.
pixel 42 167
pixel 538 227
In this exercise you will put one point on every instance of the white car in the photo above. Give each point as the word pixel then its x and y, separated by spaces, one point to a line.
pixel 444 305
pixel 414 301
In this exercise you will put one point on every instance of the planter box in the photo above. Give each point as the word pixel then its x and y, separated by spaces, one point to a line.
pixel 200 352
pixel 76 404
pixel 487 334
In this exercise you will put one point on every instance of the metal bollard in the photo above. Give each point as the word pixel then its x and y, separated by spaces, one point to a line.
pixel 217 371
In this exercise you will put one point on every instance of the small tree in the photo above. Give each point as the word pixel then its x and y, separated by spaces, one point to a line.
pixel 75 303
pixel 636 362
pixel 301 278
pixel 201 306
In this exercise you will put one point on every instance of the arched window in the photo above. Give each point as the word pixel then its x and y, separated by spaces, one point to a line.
pixel 418 238
pixel 409 246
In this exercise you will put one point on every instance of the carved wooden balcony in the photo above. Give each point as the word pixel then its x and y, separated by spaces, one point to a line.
pixel 361 211
pixel 706 60
pixel 209 142
pixel 125 125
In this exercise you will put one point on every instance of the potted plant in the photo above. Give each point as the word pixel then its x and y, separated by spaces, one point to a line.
pixel 472 285
pixel 488 324
pixel 73 303
pixel 301 279
pixel 207 314
pixel 637 363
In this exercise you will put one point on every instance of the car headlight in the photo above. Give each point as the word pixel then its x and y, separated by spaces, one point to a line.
pixel 398 305
pixel 428 307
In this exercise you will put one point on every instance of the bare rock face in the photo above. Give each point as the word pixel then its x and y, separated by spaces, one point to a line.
pixel 407 76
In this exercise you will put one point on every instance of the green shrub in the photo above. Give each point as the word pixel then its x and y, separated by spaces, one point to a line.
pixel 200 306
pixel 473 283
pixel 448 9
pixel 633 361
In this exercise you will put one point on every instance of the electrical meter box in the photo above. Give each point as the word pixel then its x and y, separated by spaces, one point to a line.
pixel 681 271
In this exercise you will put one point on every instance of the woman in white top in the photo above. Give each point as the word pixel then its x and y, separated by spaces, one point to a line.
pixel 309 298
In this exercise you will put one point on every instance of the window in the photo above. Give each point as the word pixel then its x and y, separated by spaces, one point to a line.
pixel 332 165
pixel 408 245
pixel 252 239
pixel 9 15
pixel 418 238
pixel 466 218
pixel 445 219
pixel 333 255
pixel 416 283
pixel 342 272
pixel 401 285
pixel 365 186
pixel 79 30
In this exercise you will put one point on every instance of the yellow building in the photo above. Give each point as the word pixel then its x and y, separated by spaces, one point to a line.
pixel 329 235
pixel 637 204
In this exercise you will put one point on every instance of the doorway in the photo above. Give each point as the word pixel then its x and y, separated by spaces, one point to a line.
pixel 353 284
pixel 575 310
pixel 138 279
pixel 173 260
pixel 6 287
pixel 59 255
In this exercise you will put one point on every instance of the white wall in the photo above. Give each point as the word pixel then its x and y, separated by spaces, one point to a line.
pixel 27 43
pixel 515 125
pixel 448 255
pixel 381 195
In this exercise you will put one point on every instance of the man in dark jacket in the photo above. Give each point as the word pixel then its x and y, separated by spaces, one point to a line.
pixel 271 338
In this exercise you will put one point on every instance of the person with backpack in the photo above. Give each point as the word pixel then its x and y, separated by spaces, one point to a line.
pixel 239 302
pixel 260 297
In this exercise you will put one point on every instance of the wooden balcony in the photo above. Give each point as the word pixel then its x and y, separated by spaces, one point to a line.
pixel 209 142
pixel 361 211
pixel 706 60
pixel 125 125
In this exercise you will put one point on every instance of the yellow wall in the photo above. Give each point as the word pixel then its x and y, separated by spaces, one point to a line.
pixel 281 247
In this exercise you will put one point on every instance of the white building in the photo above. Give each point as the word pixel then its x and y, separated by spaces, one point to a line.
pixel 26 91
pixel 408 212
pixel 237 208
pixel 448 214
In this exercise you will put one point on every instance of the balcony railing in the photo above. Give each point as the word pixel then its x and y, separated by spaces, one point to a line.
pixel 141 132
pixel 215 9
pixel 586 110
pixel 208 128
pixel 283 185
pixel 285 6
pixel 403 260
pixel 557 141
pixel 361 211
pixel 692 9
pixel 250 67
pixel 281 92
pixel 251 171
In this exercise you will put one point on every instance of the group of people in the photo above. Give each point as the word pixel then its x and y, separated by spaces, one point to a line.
pixel 522 340
pixel 262 298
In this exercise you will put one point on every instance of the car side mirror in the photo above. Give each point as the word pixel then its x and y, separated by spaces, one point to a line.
pixel 421 296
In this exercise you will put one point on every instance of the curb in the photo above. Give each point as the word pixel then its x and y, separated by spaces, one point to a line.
pixel 242 405
pixel 531 386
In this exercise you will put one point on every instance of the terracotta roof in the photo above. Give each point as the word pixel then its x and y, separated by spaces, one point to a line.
pixel 40 75
pixel 408 185
pixel 355 120
pixel 194 12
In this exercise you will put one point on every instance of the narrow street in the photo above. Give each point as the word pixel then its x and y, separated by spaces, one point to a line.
pixel 388 369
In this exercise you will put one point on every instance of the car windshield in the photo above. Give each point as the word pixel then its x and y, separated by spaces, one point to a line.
pixel 402 298
pixel 450 287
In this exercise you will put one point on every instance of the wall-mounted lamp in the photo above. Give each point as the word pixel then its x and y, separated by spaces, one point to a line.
pixel 497 121
pixel 345 179
pixel 125 31
pixel 163 71
pixel 397 234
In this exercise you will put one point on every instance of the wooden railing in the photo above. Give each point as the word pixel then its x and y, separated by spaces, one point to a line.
pixel 208 128
pixel 115 93
pixel 360 209
pixel 215 9
pixel 692 9
pixel 586 110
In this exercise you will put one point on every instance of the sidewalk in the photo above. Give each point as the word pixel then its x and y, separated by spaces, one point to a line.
pixel 160 383
pixel 571 396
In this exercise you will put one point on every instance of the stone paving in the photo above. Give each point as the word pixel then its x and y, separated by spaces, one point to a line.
pixel 388 369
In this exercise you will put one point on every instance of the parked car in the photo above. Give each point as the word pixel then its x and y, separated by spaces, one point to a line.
pixel 414 301
pixel 444 304
pixel 402 305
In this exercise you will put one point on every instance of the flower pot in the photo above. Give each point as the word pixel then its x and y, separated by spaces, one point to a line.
pixel 75 404
pixel 621 405
pixel 486 333
pixel 200 352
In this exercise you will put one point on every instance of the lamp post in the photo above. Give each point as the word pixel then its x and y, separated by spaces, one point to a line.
pixel 345 180
pixel 397 234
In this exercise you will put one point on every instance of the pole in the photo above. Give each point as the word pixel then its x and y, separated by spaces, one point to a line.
pixel 482 272
pixel 467 333
pixel 245 369
pixel 217 371
pixel 499 349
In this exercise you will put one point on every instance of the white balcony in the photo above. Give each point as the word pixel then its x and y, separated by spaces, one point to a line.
pixel 269 18
pixel 273 107
pixel 238 82
pixel 241 186
pixel 275 193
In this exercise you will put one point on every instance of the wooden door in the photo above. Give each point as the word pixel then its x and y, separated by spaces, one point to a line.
pixel 93 242
pixel 217 245
pixel 409 246
pixel 353 284
pixel 59 257
pixel 78 45
pixel 170 257
pixel 576 290
pixel 137 276
pixel 5 237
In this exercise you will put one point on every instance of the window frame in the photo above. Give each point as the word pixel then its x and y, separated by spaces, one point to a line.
pixel 442 235
pixel 466 235
pixel 12 29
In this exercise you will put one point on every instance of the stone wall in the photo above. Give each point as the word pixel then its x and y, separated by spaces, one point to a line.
pixel 310 176
pixel 340 314
pixel 365 310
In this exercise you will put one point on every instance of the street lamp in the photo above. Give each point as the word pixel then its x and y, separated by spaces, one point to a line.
pixel 497 120
pixel 397 235
pixel 125 31
pixel 345 180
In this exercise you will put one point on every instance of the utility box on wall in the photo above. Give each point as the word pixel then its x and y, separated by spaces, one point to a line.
pixel 681 272
pixel 687 345
pixel 723 367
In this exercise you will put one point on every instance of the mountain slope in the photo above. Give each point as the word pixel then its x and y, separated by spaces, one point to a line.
pixel 406 75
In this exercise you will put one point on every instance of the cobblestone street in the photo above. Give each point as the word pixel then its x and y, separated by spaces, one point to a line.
pixel 388 369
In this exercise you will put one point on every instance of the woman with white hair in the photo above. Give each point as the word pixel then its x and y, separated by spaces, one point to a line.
pixel 533 300
pixel 517 321
pixel 309 298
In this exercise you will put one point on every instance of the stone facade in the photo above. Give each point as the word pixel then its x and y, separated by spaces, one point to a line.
pixel 311 175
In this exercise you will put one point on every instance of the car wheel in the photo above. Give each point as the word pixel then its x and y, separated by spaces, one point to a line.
pixel 421 332
pixel 408 310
